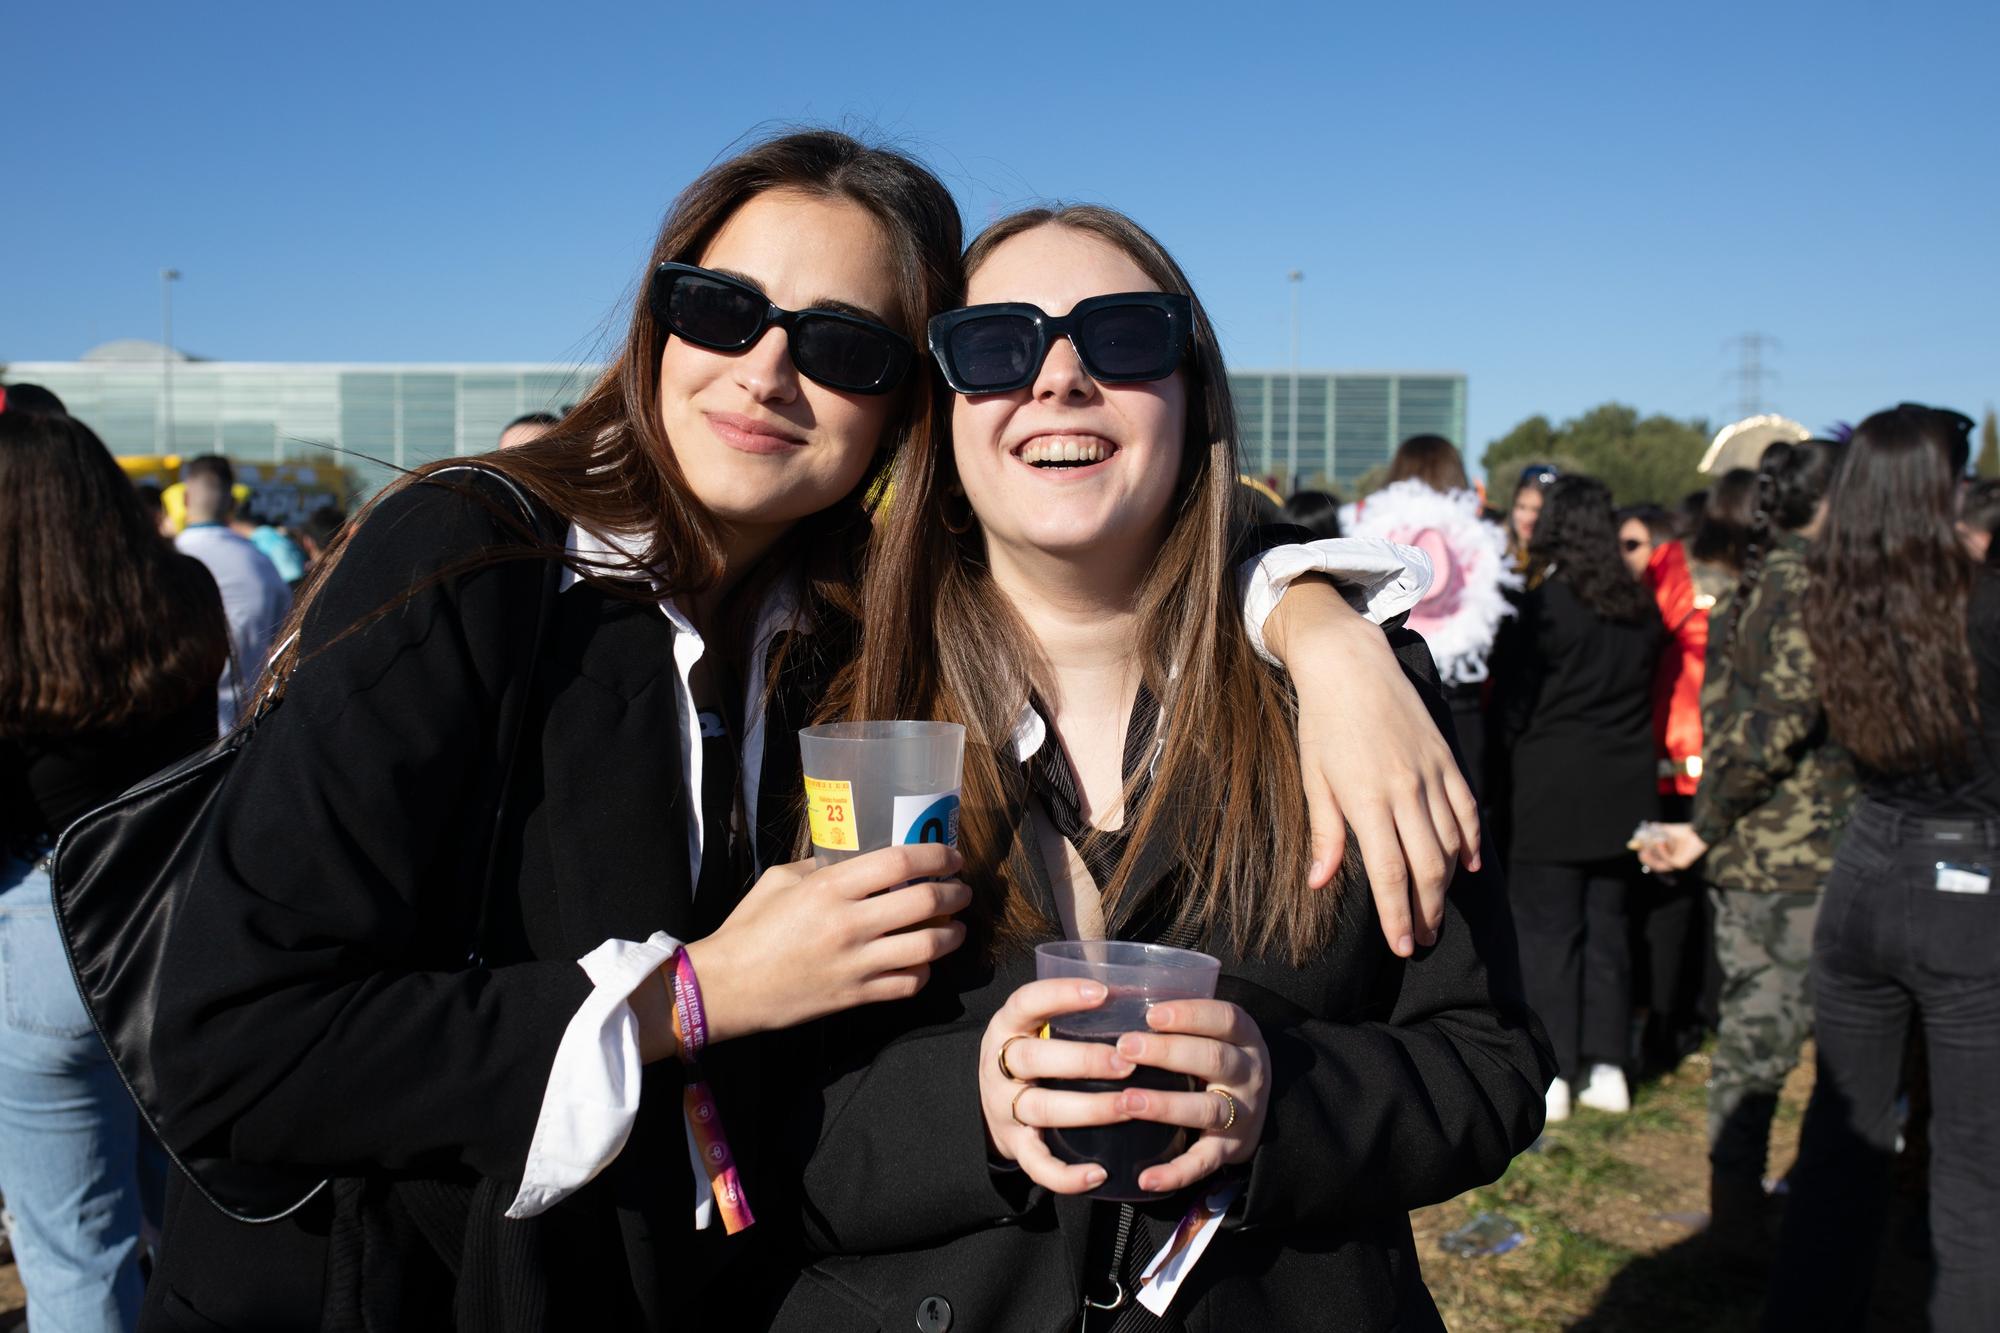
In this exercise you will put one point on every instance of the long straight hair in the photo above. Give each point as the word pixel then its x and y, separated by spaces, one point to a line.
pixel 102 623
pixel 609 467
pixel 1886 607
pixel 940 640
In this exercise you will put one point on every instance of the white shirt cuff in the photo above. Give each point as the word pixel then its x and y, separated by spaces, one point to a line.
pixel 592 1096
pixel 1380 579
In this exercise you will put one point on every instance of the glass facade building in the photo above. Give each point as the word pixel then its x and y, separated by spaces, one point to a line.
pixel 1348 423
pixel 382 417
pixel 376 417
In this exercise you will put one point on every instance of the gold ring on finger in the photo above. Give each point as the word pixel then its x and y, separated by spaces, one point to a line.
pixel 1005 1072
pixel 1225 1126
pixel 1014 1107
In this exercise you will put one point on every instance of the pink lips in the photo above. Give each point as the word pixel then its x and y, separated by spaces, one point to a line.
pixel 750 435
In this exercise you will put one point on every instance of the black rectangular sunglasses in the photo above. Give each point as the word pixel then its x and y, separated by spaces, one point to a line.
pixel 830 347
pixel 1121 338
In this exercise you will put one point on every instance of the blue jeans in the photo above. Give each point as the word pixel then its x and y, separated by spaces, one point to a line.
pixel 68 1130
pixel 1892 947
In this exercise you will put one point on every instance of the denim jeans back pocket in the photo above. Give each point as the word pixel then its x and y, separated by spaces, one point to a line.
pixel 38 995
pixel 1957 934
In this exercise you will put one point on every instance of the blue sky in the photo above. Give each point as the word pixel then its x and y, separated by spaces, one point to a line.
pixel 1568 203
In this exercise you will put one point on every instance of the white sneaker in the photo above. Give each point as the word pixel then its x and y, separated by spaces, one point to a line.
pixel 1606 1090
pixel 1557 1098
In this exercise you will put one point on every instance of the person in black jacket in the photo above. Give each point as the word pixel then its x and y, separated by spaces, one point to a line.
pixel 1573 676
pixel 1062 577
pixel 110 643
pixel 464 1017
pixel 505 1130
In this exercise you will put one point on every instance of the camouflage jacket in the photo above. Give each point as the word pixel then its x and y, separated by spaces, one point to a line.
pixel 1775 790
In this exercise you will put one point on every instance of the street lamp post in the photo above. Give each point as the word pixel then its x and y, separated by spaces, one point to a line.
pixel 168 276
pixel 1295 278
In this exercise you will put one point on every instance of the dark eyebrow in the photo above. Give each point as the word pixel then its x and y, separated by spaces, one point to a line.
pixel 832 303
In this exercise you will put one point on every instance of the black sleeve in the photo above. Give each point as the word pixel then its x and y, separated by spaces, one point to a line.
pixel 1432 1098
pixel 311 1009
pixel 900 1156
pixel 1517 668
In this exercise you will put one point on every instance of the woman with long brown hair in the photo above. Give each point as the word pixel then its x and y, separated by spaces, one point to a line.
pixel 379 978
pixel 1905 630
pixel 1056 580
pixel 447 968
pixel 110 644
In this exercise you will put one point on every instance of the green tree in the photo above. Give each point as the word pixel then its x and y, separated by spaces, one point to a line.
pixel 1989 446
pixel 1639 458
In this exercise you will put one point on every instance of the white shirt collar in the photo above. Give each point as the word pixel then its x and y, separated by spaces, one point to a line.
pixel 596 550
pixel 1030 734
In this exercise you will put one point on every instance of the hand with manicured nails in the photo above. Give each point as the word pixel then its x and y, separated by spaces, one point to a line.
pixel 1212 1040
pixel 1017 1111
pixel 806 942
pixel 1373 760
pixel 1219 1046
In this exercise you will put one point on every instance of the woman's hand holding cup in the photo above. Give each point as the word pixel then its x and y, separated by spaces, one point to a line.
pixel 808 942
pixel 1013 1056
pixel 1220 1046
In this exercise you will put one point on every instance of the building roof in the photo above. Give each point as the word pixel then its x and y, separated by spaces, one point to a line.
pixel 134 349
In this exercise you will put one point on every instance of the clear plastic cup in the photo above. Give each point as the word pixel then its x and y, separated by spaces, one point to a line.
pixel 871 785
pixel 1137 976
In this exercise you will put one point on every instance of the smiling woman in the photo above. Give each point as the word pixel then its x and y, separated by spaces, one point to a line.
pixel 1129 775
pixel 432 960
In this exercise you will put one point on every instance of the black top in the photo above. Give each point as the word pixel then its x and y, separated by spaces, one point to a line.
pixel 46 782
pixel 1574 693
pixel 1396 1083
pixel 1055 783
pixel 1974 792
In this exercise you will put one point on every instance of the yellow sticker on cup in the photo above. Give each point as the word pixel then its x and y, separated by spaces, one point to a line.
pixel 830 812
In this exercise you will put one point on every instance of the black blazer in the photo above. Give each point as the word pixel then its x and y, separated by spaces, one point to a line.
pixel 1396 1084
pixel 1574 693
pixel 317 1009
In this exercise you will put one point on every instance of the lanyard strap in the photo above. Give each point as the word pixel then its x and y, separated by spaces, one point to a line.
pixel 704 1118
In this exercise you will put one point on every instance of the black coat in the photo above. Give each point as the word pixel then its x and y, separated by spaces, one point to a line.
pixel 1574 695
pixel 1396 1084
pixel 317 1010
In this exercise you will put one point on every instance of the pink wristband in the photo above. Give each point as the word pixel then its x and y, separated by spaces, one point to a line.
pixel 704 1118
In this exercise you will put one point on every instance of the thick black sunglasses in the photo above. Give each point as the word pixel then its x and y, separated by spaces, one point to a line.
pixel 831 347
pixel 1122 338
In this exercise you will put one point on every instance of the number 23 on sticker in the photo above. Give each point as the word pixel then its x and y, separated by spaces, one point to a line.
pixel 830 812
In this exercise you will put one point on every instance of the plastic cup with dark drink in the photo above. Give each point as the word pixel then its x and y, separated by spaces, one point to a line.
pixel 871 785
pixel 1136 977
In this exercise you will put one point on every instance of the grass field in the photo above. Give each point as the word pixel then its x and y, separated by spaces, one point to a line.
pixel 1612 1208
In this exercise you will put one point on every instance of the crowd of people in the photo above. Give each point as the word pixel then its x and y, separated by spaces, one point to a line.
pixel 498 916
pixel 1783 703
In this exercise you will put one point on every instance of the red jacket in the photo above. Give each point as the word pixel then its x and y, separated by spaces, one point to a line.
pixel 1677 681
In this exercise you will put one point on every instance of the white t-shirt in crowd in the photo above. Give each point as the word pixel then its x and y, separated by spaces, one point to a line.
pixel 254 598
